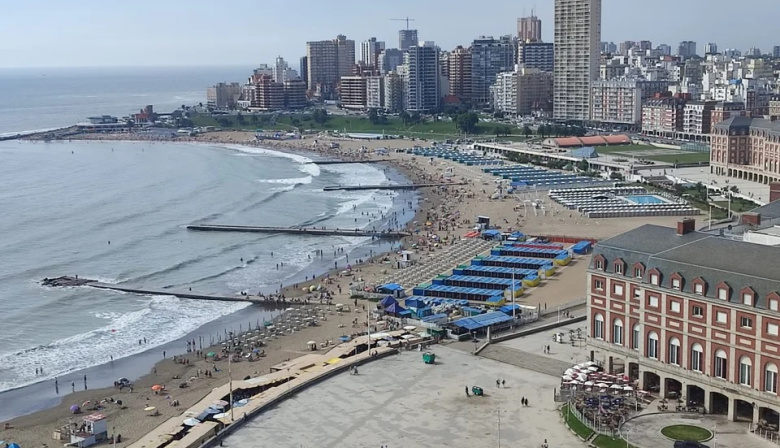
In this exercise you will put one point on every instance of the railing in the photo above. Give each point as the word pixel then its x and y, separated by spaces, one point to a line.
pixel 596 427
pixel 563 307
pixel 771 436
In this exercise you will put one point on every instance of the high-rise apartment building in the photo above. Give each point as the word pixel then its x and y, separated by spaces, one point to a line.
pixel 459 73
pixel 489 57
pixel 328 60
pixel 352 90
pixel 369 52
pixel 619 101
pixel 390 59
pixel 422 78
pixel 375 92
pixel 539 55
pixel 283 72
pixel 529 29
pixel 394 92
pixel 711 48
pixel 223 95
pixel 665 50
pixel 644 45
pixel 625 46
pixel 686 49
pixel 304 70
pixel 608 48
pixel 406 39
pixel 577 56
pixel 776 51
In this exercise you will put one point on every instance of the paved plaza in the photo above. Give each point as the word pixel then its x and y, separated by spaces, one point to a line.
pixel 401 402
pixel 645 430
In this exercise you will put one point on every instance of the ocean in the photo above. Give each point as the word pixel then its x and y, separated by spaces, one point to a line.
pixel 117 211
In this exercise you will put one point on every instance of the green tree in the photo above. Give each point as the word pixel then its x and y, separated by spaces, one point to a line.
pixel 240 119
pixel 415 118
pixel 467 122
pixel 405 117
pixel 254 119
pixel 583 165
pixel 526 131
pixel 542 131
pixel 373 116
pixel 320 116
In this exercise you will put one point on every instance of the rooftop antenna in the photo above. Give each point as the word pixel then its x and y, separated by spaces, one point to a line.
pixel 407 20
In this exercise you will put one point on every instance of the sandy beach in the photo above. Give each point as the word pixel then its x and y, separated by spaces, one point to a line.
pixel 451 214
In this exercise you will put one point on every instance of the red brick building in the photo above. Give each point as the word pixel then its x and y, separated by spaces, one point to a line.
pixel 690 313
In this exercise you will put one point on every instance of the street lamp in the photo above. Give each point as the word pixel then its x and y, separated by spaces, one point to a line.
pixel 230 372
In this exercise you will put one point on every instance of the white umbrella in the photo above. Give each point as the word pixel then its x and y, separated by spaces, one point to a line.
pixel 616 386
pixel 582 377
pixel 602 385
pixel 312 343
pixel 573 382
pixel 191 422
pixel 220 415
pixel 568 372
pixel 593 369
pixel 589 383
pixel 628 388
pixel 290 309
pixel 589 363
pixel 409 327
pixel 566 378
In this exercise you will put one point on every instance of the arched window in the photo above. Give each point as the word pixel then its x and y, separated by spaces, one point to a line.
pixel 770 378
pixel 635 337
pixel 721 364
pixel 674 351
pixel 697 356
pixel 652 345
pixel 745 371
pixel 598 326
pixel 617 331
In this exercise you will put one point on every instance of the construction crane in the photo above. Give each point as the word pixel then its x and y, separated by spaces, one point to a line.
pixel 407 20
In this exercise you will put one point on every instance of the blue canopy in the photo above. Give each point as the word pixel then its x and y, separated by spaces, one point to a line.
pixel 395 309
pixel 491 232
pixel 482 320
pixel 387 301
pixel 391 287
pixel 507 309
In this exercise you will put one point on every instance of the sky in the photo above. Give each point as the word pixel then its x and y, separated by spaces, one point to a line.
pixel 97 33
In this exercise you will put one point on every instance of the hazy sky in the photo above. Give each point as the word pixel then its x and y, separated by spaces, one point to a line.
pixel 51 33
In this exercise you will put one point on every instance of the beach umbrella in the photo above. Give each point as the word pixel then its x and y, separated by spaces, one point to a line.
pixel 409 327
pixel 311 343
pixel 589 383
pixel 628 388
pixel 222 415
pixel 616 386
pixel 191 422
pixel 241 402
pixel 75 409
pixel 211 354
pixel 602 385
pixel 220 403
pixel 589 363
pixel 149 408
pixel 86 404
pixel 593 368
pixel 13 445
pixel 157 388
pixel 568 372
pixel 566 378
pixel 573 382
pixel 290 309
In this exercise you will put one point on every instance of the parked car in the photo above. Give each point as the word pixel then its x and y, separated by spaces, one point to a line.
pixel 689 444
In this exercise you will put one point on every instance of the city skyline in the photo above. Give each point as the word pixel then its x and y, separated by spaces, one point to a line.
pixel 88 33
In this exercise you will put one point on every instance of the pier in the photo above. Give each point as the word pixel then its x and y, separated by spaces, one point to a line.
pixel 340 162
pixel 389 187
pixel 300 231
pixel 179 294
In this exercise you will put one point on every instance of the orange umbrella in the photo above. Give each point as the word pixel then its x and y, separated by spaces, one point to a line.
pixel 157 388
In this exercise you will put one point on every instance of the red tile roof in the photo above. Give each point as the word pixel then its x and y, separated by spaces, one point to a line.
pixel 566 142
pixel 595 140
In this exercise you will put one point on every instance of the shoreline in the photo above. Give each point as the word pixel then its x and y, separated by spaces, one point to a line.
pixel 45 409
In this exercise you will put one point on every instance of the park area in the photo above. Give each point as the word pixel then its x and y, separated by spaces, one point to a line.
pixel 654 153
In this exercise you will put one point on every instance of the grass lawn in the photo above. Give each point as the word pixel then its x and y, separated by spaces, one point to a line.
pixel 602 441
pixel 357 124
pixel 576 425
pixel 688 157
pixel 686 432
pixel 737 206
pixel 624 148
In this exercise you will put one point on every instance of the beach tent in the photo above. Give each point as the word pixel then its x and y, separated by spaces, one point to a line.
pixel 491 234
pixel 395 309
pixel 391 288
pixel 387 301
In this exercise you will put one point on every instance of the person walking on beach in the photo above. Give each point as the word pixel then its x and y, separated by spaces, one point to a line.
pixel 467 391
pixel 522 401
pixel 85 382
pixel 503 384
pixel 498 383
pixel 73 386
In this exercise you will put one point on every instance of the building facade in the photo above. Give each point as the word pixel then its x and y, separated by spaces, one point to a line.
pixel 686 49
pixel 422 78
pixel 295 94
pixel 352 90
pixel 504 91
pixel 774 106
pixel 539 55
pixel 619 101
pixel 268 94
pixel 534 92
pixel 394 92
pixel 390 59
pixel 577 41
pixel 407 39
pixel 529 29
pixel 689 313
pixel 223 95
pixel 663 117
pixel 328 60
pixel 375 92
pixel 746 148
pixel 489 57
pixel 459 73
pixel 697 120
